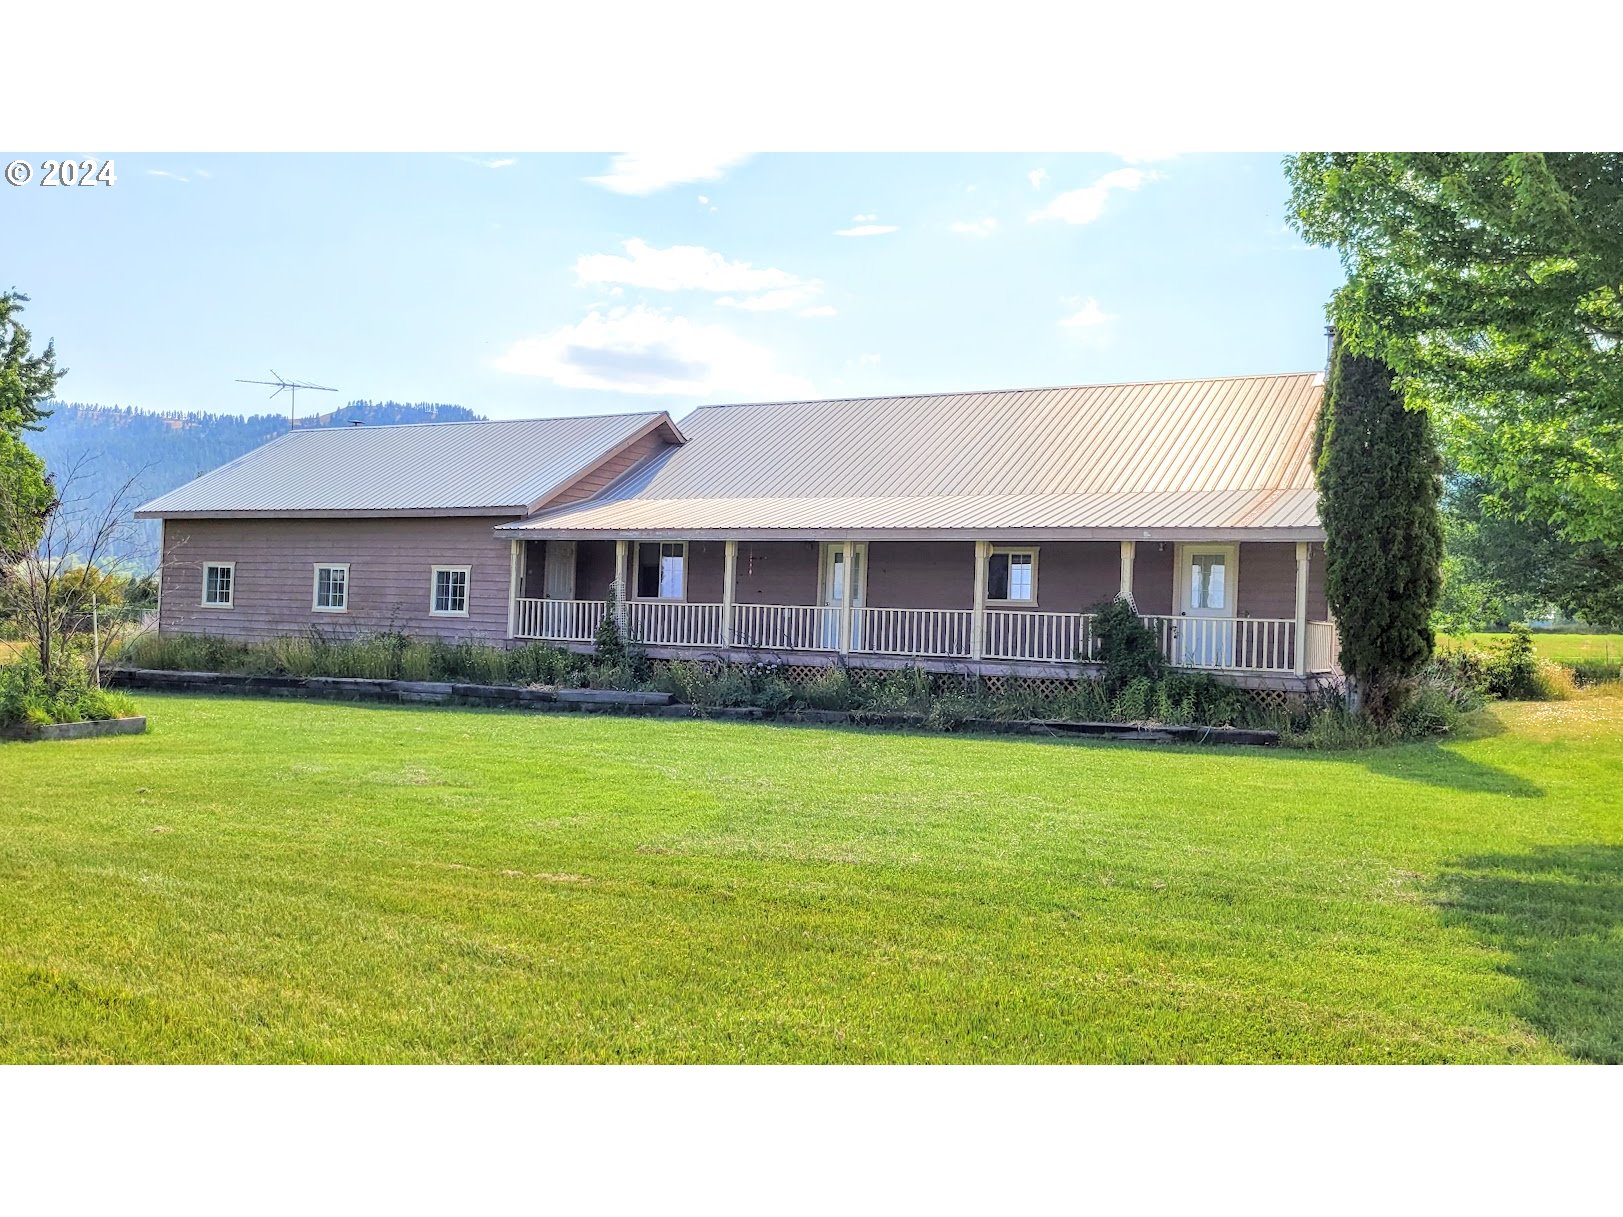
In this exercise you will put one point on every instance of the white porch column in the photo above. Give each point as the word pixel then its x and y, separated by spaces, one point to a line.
pixel 1128 552
pixel 849 557
pixel 729 573
pixel 512 593
pixel 977 620
pixel 1300 648
pixel 620 548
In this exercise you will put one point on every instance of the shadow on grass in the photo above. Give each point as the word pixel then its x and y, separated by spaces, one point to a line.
pixel 1557 914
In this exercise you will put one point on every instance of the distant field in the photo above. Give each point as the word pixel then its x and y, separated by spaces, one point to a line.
pixel 10 650
pixel 1566 647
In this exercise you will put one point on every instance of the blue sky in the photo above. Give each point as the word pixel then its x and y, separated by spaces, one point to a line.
pixel 524 284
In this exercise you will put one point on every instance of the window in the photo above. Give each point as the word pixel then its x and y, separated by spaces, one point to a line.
pixel 1011 574
pixel 332 589
pixel 219 579
pixel 661 570
pixel 450 598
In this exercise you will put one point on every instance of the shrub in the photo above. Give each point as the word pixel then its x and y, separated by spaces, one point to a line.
pixel 952 710
pixel 1132 704
pixel 832 690
pixel 1513 667
pixel 1128 649
pixel 27 696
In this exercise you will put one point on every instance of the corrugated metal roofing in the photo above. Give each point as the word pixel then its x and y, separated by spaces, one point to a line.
pixel 438 468
pixel 1171 455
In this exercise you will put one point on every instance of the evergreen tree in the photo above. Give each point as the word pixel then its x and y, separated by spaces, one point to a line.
pixel 1380 480
pixel 27 381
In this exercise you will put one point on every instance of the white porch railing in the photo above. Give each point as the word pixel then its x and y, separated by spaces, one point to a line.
pixel 786 627
pixel 929 633
pixel 1252 644
pixel 1323 647
pixel 1021 634
pixel 674 623
pixel 558 620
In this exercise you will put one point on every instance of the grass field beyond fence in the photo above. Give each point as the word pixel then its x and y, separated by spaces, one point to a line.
pixel 284 881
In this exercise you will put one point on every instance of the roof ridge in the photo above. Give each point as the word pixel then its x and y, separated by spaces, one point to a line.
pixel 478 422
pixel 1106 384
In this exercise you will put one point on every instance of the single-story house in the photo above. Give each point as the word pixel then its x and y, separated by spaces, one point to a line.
pixel 961 532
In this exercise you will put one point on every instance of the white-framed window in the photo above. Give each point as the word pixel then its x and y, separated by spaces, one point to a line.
pixel 661 570
pixel 449 592
pixel 219 584
pixel 331 591
pixel 1011 576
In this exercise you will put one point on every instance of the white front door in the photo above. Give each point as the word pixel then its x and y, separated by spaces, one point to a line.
pixel 559 579
pixel 1207 577
pixel 831 590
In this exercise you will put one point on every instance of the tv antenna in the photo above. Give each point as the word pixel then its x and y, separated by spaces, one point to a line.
pixel 292 388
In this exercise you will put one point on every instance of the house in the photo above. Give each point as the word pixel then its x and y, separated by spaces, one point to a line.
pixel 961 532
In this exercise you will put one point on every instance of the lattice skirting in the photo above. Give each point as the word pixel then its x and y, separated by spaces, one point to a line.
pixel 1043 690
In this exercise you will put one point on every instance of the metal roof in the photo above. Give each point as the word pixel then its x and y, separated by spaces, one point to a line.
pixel 1185 457
pixel 464 468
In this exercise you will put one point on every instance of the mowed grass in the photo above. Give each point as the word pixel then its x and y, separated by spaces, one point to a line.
pixel 1564 647
pixel 285 881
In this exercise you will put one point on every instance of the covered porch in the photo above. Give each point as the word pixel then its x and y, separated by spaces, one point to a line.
pixel 1248 608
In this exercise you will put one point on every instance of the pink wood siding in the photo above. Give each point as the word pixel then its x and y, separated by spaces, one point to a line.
pixel 594 570
pixel 777 572
pixel 1073 576
pixel 921 574
pixel 1152 576
pixel 390 563
pixel 594 483
pixel 1268 580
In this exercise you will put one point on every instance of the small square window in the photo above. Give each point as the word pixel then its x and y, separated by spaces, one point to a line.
pixel 1011 574
pixel 332 589
pixel 450 596
pixel 219 580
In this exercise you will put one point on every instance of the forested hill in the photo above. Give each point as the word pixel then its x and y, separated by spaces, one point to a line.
pixel 112 444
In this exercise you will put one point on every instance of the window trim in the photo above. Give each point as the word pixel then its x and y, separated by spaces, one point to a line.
pixel 1012 549
pixel 636 567
pixel 315 587
pixel 229 602
pixel 433 589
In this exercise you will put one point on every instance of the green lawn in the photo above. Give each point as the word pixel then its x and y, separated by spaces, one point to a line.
pixel 1565 647
pixel 284 881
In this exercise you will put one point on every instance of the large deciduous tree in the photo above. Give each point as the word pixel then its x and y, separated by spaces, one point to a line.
pixel 1492 285
pixel 1380 480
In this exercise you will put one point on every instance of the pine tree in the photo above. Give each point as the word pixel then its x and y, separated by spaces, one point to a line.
pixel 1380 481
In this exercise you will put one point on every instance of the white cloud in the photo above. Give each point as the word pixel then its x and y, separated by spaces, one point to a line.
pixel 174 177
pixel 704 198
pixel 865 230
pixel 644 173
pixel 868 359
pixel 202 173
pixel 497 162
pixel 1087 204
pixel 1144 158
pixel 1088 314
pixel 693 268
pixel 1037 177
pixel 976 228
pixel 819 310
pixel 640 350
pixel 863 219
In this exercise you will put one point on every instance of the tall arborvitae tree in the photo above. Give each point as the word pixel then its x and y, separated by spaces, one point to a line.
pixel 27 381
pixel 1380 480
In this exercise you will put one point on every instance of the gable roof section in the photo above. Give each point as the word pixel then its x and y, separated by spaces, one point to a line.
pixel 472 468
pixel 1184 457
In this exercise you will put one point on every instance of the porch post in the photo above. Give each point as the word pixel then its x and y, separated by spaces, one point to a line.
pixel 620 548
pixel 977 620
pixel 1128 553
pixel 850 552
pixel 512 592
pixel 729 573
pixel 1300 648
